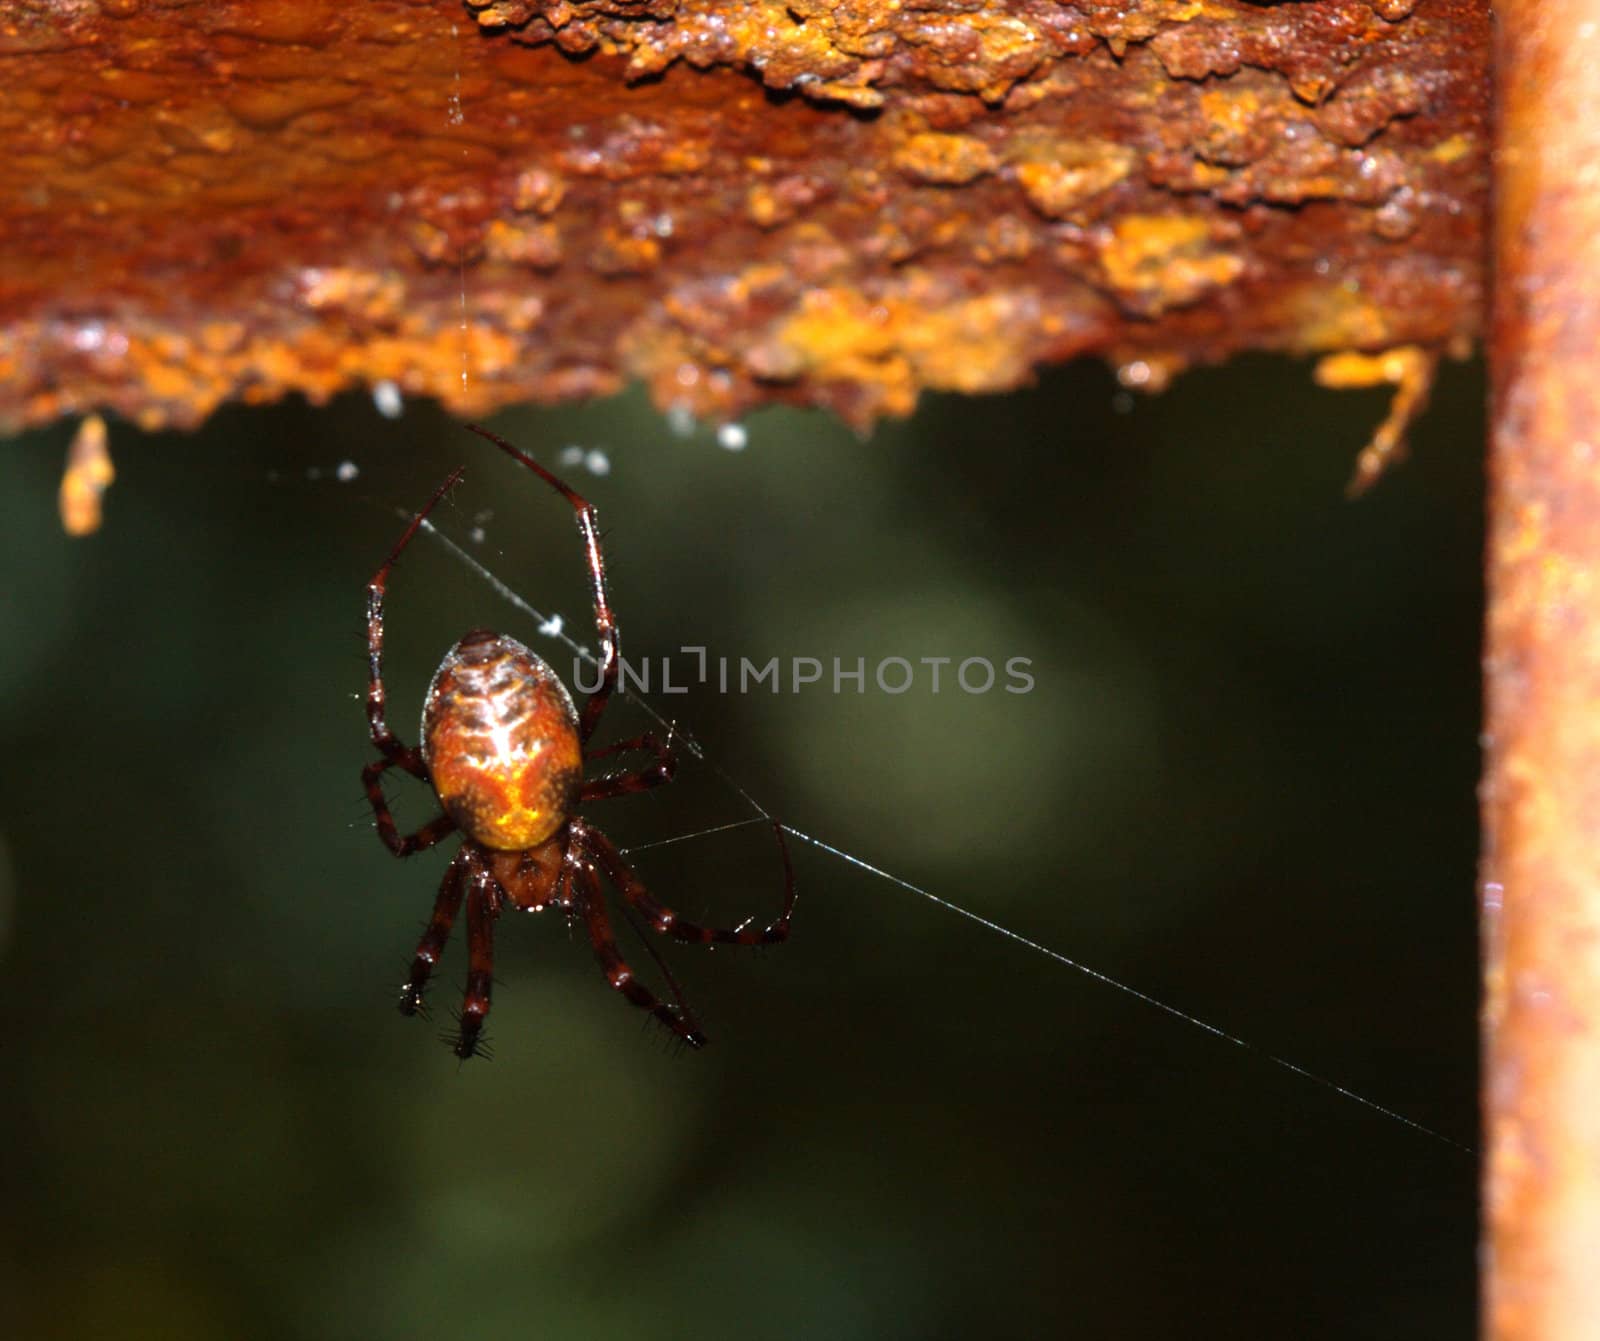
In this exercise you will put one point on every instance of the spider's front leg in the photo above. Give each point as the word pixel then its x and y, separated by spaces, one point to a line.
pixel 396 753
pixel 605 622
pixel 390 745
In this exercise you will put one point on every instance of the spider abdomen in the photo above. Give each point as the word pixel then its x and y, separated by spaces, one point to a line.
pixel 500 739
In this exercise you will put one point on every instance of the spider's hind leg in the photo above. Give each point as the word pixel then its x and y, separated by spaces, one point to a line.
pixel 665 920
pixel 622 782
pixel 591 904
pixel 431 947
pixel 483 906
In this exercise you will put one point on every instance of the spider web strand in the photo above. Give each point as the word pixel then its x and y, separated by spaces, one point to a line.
pixel 698 833
pixel 1134 992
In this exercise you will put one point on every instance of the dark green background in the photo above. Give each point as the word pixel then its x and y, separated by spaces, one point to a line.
pixel 1243 784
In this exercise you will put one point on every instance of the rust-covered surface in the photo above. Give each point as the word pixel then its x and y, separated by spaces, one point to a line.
pixel 1542 788
pixel 834 202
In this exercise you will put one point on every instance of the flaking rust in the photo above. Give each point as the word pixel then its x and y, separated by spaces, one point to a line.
pixel 834 204
pixel 86 477
pixel 1410 370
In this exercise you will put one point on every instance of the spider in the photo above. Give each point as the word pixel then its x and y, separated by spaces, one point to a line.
pixel 503 750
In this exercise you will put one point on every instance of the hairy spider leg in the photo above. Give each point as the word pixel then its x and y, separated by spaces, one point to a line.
pixel 664 919
pixel 622 783
pixel 402 845
pixel 685 1011
pixel 483 906
pixel 387 742
pixel 430 949
pixel 605 622
pixel 395 752
pixel 592 905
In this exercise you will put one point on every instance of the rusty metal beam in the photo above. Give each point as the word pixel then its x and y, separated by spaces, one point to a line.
pixel 736 204
pixel 1541 796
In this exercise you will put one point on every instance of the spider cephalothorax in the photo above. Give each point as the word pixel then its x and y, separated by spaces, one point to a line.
pixel 504 749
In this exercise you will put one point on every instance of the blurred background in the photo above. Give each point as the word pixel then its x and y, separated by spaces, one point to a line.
pixel 1243 783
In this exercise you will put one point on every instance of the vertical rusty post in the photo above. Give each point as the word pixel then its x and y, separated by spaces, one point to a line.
pixel 1541 794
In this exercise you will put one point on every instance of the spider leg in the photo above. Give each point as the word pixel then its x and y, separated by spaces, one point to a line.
pixel 662 918
pixel 431 947
pixel 592 904
pixel 402 845
pixel 386 741
pixel 483 906
pixel 605 622
pixel 685 1012
pixel 622 782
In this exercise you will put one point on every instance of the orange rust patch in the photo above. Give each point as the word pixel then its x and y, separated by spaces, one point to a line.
pixel 88 475
pixel 1157 261
pixel 1410 371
